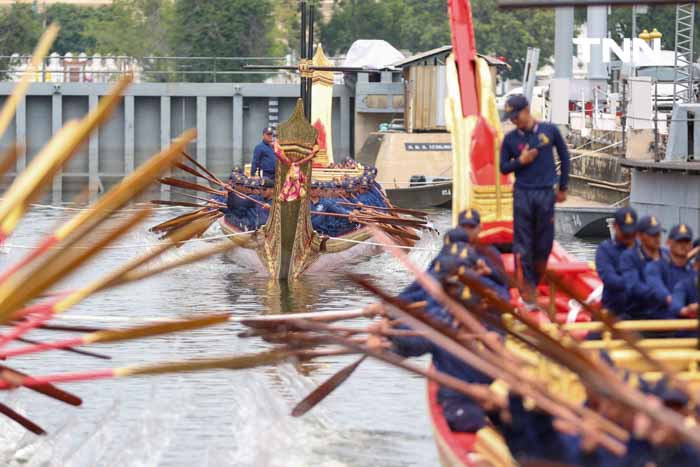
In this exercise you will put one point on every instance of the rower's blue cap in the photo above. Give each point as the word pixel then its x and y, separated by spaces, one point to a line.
pixel 469 218
pixel 649 225
pixel 267 182
pixel 668 394
pixel 680 232
pixel 626 220
pixel 456 236
pixel 514 105
pixel 314 184
pixel 445 266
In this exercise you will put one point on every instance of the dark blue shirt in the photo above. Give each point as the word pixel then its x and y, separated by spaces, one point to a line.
pixel 638 291
pixel 541 173
pixel 607 263
pixel 264 160
pixel 684 293
pixel 663 275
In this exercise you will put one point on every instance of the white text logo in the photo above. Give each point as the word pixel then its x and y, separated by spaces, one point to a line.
pixel 637 49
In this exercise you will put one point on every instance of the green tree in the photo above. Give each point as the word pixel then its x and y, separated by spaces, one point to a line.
pixel 510 33
pixel 138 28
pixel 223 28
pixel 20 28
pixel 74 21
pixel 419 25
pixel 362 19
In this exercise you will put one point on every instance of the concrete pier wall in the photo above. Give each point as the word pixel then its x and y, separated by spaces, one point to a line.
pixel 229 119
pixel 598 177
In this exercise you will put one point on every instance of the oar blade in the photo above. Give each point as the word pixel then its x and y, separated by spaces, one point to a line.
pixel 324 390
pixel 21 419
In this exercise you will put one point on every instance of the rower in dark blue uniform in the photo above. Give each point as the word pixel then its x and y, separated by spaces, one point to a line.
pixel 684 303
pixel 454 240
pixel 663 275
pixel 633 262
pixel 264 159
pixel 461 412
pixel 239 207
pixel 528 151
pixel 470 221
pixel 607 261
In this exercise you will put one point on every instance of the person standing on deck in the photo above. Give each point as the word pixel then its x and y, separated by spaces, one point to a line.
pixel 607 261
pixel 528 152
pixel 264 159
pixel 633 263
pixel 663 275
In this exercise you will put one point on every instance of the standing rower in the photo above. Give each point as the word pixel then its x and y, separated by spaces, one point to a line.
pixel 528 151
pixel 663 275
pixel 264 159
pixel 633 263
pixel 607 261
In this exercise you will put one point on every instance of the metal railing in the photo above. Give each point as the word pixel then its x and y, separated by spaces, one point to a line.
pixel 151 68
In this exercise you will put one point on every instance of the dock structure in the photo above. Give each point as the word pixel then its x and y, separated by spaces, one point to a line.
pixel 229 118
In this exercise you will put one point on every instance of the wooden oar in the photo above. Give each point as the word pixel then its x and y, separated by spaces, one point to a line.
pixel 9 158
pixel 21 419
pixel 139 274
pixel 610 384
pixel 20 89
pixel 14 294
pixel 119 335
pixel 192 171
pixel 67 349
pixel 327 387
pixel 608 442
pixel 541 396
pixel 176 182
pixel 179 221
pixel 211 175
pixel 132 185
pixel 411 212
pixel 115 277
pixel 206 200
pixel 29 184
pixel 271 357
pixel 184 204
pixel 15 378
pixel 275 320
pixel 630 337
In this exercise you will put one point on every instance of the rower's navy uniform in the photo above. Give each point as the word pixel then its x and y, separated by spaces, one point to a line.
pixel 414 292
pixel 470 218
pixel 264 160
pixel 663 275
pixel 238 211
pixel 633 262
pixel 461 412
pixel 607 262
pixel 684 293
pixel 533 195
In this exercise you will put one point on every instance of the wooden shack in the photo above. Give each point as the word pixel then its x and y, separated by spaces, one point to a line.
pixel 424 99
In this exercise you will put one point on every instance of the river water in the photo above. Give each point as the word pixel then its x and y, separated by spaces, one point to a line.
pixel 219 418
